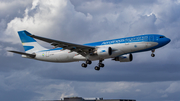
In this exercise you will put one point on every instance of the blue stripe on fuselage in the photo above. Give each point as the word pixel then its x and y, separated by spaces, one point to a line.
pixel 140 38
pixel 51 49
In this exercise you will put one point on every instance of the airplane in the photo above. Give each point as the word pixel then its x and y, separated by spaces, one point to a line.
pixel 120 49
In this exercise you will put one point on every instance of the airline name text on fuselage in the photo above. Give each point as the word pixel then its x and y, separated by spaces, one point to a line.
pixel 135 39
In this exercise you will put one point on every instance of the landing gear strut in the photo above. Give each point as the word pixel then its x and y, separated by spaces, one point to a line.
pixel 100 64
pixel 153 55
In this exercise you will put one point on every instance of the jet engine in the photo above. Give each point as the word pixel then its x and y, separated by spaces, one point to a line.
pixel 124 58
pixel 104 51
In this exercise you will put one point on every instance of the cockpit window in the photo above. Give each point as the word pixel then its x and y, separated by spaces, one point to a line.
pixel 162 37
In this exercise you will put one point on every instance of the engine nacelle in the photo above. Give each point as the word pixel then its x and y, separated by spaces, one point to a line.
pixel 124 58
pixel 104 51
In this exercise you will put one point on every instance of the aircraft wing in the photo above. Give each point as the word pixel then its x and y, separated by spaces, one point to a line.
pixel 81 49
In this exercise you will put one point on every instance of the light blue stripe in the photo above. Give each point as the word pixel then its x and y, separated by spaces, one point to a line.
pixel 26 48
pixel 51 49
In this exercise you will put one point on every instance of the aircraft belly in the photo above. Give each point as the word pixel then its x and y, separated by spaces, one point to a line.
pixel 56 56
pixel 79 58
pixel 66 56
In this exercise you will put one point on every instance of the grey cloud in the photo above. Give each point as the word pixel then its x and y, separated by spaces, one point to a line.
pixel 37 88
pixel 15 62
pixel 11 9
pixel 145 24
pixel 89 21
pixel 133 90
pixel 140 2
pixel 126 72
pixel 19 95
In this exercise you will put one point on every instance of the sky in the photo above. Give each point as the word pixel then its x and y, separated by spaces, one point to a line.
pixel 83 21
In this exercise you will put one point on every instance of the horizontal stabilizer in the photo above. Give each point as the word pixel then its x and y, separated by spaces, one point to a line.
pixel 30 55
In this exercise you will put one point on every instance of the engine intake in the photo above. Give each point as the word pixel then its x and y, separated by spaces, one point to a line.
pixel 124 58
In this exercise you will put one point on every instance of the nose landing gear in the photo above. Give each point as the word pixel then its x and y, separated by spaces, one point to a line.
pixel 153 55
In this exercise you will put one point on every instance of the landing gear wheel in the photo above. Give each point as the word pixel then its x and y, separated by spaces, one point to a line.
pixel 153 55
pixel 97 68
pixel 84 65
pixel 88 61
pixel 101 65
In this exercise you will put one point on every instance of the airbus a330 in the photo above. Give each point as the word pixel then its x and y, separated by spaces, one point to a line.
pixel 120 49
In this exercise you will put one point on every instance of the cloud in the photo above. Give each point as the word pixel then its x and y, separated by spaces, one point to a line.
pixel 145 78
pixel 173 88
pixel 8 49
pixel 55 17
pixel 4 49
pixel 11 9
pixel 148 23
pixel 57 91
pixel 33 87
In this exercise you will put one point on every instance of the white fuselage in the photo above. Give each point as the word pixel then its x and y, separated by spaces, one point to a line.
pixel 68 56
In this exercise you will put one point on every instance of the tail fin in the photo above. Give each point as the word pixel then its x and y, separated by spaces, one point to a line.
pixel 30 45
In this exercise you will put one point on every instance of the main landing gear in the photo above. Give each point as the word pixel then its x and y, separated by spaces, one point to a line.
pixel 85 64
pixel 100 64
pixel 153 55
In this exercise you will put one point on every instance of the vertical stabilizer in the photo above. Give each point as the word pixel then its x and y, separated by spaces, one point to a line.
pixel 30 45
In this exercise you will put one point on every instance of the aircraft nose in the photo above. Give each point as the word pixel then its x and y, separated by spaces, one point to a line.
pixel 167 40
pixel 164 41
